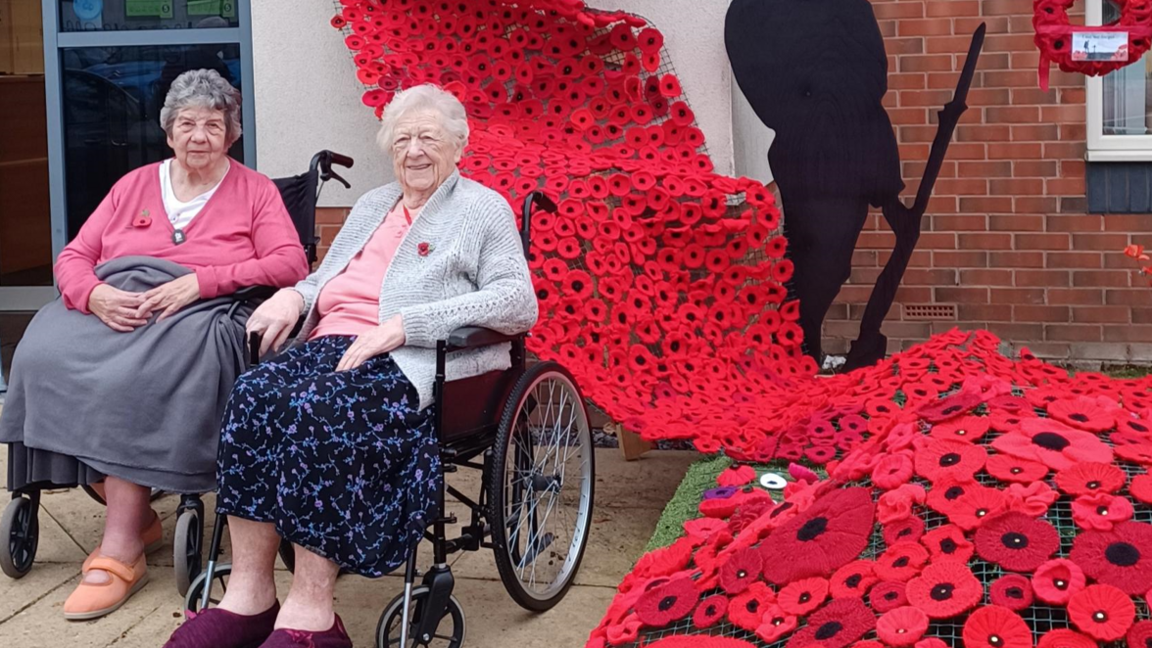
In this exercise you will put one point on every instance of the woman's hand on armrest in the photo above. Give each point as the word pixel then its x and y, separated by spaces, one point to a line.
pixel 274 319
pixel 373 342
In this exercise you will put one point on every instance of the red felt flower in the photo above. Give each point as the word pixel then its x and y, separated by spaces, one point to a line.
pixel 1057 580
pixel 1102 612
pixel 887 595
pixel 1016 541
pixel 944 590
pixel 1141 488
pixel 1101 511
pixel 1082 413
pixel 1012 591
pixel 902 627
pixel 1007 468
pixel 901 562
pixel 853 580
pixel 1140 635
pixel 1053 444
pixel 746 609
pixel 1065 638
pixel 667 603
pixel 709 612
pixel 827 535
pixel 996 627
pixel 741 570
pixel 835 625
pixel 803 596
pixel 423 249
pixel 776 624
pixel 1090 477
pixel 948 543
pixel 968 428
pixel 944 459
pixel 910 529
pixel 1121 557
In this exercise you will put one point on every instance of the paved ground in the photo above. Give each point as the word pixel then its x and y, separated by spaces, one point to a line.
pixel 629 500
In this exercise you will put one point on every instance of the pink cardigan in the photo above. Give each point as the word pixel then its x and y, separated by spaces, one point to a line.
pixel 243 236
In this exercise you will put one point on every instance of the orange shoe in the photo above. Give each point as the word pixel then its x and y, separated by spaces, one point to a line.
pixel 91 601
pixel 153 538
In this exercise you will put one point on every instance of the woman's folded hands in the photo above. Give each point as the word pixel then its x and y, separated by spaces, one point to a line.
pixel 117 308
pixel 275 319
pixel 373 342
pixel 170 297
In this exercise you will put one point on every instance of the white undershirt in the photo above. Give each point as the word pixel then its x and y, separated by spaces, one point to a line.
pixel 181 213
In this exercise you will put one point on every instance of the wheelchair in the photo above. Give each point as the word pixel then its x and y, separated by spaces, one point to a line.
pixel 526 430
pixel 19 527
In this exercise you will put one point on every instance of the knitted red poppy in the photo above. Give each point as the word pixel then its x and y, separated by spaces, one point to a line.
pixel 853 580
pixel 1012 591
pixel 696 641
pixel 1016 541
pixel 736 475
pixel 902 627
pixel 949 408
pixel 746 609
pixel 709 611
pixel 1033 500
pixel 1083 413
pixel 892 471
pixel 977 505
pixel 803 596
pixel 1057 580
pixel 667 603
pixel 996 627
pixel 931 642
pixel 1101 511
pixel 948 543
pixel 835 625
pixel 887 595
pixel 1141 488
pixel 1133 447
pixel 944 590
pixel 1053 444
pixel 968 428
pixel 901 562
pixel 868 643
pixel 1102 612
pixel 776 624
pixel 945 459
pixel 1140 635
pixel 1065 638
pixel 910 529
pixel 1090 477
pixel 1007 468
pixel 740 571
pixel 1121 557
pixel 827 535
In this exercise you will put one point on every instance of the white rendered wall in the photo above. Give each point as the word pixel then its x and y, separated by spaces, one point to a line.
pixel 307 97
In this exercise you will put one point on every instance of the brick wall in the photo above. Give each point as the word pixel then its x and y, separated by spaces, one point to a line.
pixel 328 223
pixel 1007 239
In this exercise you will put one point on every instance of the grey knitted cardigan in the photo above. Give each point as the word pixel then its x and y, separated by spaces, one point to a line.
pixel 475 274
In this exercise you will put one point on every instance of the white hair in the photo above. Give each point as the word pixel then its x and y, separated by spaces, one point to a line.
pixel 203 89
pixel 454 119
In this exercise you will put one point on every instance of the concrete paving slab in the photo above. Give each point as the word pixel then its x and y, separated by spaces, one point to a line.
pixel 18 595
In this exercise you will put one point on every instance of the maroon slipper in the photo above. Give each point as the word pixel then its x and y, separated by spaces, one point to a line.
pixel 216 628
pixel 334 637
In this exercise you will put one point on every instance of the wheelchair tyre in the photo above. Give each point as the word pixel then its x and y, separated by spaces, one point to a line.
pixel 188 549
pixel 388 628
pixel 192 600
pixel 20 533
pixel 542 464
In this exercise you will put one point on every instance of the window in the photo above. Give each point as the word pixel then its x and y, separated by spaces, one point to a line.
pixel 1119 104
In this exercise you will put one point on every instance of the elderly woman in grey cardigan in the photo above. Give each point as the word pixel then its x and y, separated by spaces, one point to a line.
pixel 330 444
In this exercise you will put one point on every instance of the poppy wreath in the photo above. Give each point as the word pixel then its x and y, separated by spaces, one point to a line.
pixel 1036 531
pixel 660 282
pixel 1054 36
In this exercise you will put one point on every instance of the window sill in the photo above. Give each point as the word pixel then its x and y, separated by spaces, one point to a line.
pixel 1119 155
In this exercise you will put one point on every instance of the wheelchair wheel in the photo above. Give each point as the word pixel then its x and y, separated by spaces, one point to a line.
pixel 388 629
pixel 541 487
pixel 192 600
pixel 188 549
pixel 19 537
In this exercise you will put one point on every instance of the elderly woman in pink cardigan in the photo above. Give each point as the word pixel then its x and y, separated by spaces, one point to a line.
pixel 123 380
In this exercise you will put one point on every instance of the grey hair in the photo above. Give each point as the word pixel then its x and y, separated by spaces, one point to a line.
pixel 203 89
pixel 424 97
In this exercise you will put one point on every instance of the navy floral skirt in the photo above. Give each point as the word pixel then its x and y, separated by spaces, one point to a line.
pixel 342 463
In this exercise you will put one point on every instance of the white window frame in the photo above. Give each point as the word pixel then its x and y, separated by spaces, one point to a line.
pixel 1111 148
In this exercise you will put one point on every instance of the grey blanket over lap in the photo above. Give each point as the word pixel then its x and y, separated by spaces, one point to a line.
pixel 144 405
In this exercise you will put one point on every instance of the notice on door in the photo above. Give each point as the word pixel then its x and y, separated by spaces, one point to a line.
pixel 1100 46
pixel 150 8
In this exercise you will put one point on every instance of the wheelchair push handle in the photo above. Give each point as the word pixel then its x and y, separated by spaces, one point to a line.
pixel 540 199
pixel 324 161
pixel 254 340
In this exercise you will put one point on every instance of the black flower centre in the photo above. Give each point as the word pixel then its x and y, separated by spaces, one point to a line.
pixel 948 411
pixel 1015 593
pixel 994 640
pixel 904 533
pixel 780 509
pixel 1122 554
pixel 805 597
pixel 854 581
pixel 891 596
pixel 1099 616
pixel 1093 485
pixel 1101 510
pixel 710 610
pixel 812 529
pixel 950 459
pixel 778 621
pixel 953 493
pixel 1016 470
pixel 948 546
pixel 666 603
pixel 1051 441
pixel 902 561
pixel 1061 584
pixel 1079 418
pixel 752 605
pixel 828 630
pixel 1014 540
pixel 942 592
pixel 741 574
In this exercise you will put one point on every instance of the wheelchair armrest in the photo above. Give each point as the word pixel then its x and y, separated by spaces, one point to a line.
pixel 474 337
